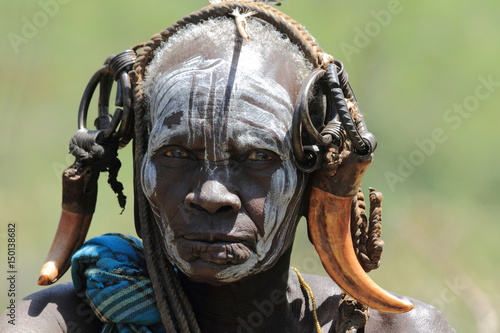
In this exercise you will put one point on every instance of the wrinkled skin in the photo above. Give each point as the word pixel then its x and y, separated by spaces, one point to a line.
pixel 236 213
pixel 214 177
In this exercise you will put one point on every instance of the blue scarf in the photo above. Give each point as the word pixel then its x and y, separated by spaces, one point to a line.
pixel 109 274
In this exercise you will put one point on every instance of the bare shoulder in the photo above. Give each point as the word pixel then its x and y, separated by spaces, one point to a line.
pixel 423 318
pixel 54 309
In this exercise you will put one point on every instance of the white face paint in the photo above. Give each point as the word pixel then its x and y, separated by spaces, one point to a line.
pixel 211 120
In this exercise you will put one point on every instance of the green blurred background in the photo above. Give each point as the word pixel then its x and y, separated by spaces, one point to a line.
pixel 425 73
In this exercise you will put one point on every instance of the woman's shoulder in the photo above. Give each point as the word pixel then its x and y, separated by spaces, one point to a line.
pixel 59 309
pixel 423 318
pixel 54 309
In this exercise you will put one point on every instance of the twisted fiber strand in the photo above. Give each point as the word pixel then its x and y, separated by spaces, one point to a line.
pixel 355 225
pixel 310 293
pixel 177 298
pixel 186 305
pixel 152 264
pixel 140 141
pixel 363 220
pixel 375 244
pixel 366 235
pixel 165 304
pixel 165 282
pixel 359 225
pixel 363 227
pixel 145 214
pixel 167 274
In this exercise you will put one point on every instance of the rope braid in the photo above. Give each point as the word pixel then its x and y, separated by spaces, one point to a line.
pixel 297 34
pixel 366 235
pixel 176 312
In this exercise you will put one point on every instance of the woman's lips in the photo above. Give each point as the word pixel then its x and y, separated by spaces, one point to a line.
pixel 217 252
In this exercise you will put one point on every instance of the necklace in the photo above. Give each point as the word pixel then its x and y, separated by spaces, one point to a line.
pixel 309 292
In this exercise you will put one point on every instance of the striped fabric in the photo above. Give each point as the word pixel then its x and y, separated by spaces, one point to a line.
pixel 109 274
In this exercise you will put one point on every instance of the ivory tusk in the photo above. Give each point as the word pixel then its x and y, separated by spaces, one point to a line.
pixel 77 210
pixel 329 227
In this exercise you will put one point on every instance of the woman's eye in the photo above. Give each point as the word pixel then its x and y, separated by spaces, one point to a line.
pixel 176 153
pixel 260 156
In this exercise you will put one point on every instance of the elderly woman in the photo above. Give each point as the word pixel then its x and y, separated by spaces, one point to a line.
pixel 241 126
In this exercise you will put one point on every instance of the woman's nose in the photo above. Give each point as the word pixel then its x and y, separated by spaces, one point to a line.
pixel 214 197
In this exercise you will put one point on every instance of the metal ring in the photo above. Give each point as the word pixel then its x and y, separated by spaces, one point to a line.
pixel 87 97
pixel 119 128
pixel 301 118
pixel 121 62
pixel 304 110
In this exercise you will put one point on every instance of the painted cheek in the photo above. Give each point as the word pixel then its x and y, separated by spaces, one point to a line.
pixel 276 223
pixel 148 177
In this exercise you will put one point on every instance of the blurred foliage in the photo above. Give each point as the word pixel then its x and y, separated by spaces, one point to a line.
pixel 412 65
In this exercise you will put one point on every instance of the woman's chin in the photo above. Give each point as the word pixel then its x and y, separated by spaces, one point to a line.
pixel 217 273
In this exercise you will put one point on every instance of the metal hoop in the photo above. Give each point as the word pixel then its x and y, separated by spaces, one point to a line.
pixel 117 127
pixel 305 162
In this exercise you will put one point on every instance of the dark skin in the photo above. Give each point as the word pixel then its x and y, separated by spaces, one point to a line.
pixel 218 222
pixel 281 304
pixel 218 218
pixel 223 204
pixel 59 309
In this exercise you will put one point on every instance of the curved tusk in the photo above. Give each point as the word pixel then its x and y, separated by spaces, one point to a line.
pixel 329 227
pixel 77 210
pixel 69 237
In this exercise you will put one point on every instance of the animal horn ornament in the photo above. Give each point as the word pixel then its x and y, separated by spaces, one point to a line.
pixel 335 182
pixel 329 228
pixel 95 151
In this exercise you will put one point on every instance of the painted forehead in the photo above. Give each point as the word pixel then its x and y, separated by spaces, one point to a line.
pixel 235 103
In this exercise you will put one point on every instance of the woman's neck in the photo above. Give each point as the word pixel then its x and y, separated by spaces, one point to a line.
pixel 270 301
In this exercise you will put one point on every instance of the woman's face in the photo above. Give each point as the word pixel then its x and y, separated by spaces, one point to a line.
pixel 219 171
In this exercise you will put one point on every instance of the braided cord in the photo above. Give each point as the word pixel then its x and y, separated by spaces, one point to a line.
pixel 143 213
pixel 366 232
pixel 310 293
pixel 375 244
pixel 171 300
